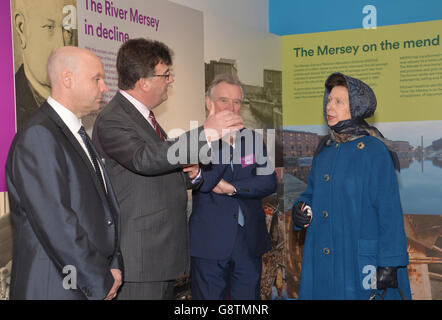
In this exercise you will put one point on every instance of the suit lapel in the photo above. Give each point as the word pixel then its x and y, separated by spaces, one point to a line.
pixel 46 108
pixel 162 131
pixel 112 200
pixel 138 118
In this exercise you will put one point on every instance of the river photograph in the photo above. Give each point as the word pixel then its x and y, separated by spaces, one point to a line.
pixel 417 144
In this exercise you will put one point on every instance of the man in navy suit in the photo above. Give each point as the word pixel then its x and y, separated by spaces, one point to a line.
pixel 228 232
pixel 64 212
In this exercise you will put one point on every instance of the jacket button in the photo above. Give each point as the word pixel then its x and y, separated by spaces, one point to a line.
pixel 326 177
pixel 235 216
pixel 109 257
pixel 325 214
pixel 109 222
pixel 326 251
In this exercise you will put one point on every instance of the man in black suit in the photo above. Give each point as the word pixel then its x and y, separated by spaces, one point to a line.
pixel 64 212
pixel 151 191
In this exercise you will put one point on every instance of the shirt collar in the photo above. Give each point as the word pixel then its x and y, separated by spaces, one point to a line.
pixel 72 122
pixel 142 108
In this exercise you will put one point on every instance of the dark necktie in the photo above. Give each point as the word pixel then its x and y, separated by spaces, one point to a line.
pixel 155 125
pixel 241 221
pixel 87 141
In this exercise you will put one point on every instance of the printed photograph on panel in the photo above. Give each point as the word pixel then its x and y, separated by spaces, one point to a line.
pixel 38 27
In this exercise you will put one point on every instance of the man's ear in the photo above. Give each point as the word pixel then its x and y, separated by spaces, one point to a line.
pixel 67 78
pixel 19 24
pixel 208 103
pixel 143 84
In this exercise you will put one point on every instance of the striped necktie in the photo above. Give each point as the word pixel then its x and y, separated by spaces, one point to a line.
pixel 155 125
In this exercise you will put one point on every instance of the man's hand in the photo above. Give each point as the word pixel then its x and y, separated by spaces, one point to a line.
pixel 192 170
pixel 118 281
pixel 223 187
pixel 218 124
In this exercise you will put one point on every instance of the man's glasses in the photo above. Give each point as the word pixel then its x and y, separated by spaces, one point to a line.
pixel 167 75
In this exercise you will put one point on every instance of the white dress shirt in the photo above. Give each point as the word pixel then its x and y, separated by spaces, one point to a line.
pixel 143 109
pixel 74 124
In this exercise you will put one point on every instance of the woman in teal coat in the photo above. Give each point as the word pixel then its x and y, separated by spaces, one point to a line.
pixel 355 240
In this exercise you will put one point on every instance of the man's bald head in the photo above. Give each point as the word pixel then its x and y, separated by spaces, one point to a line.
pixel 66 59
pixel 77 79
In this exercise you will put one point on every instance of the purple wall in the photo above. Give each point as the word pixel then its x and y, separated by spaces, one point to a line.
pixel 7 109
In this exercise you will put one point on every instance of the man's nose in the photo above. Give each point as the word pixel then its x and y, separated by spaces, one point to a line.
pixel 104 87
pixel 230 105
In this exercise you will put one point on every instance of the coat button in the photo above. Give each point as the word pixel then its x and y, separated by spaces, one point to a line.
pixel 325 214
pixel 326 251
pixel 326 177
pixel 337 145
pixel 109 222
pixel 235 216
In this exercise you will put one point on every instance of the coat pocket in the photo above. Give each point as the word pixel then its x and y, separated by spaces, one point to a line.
pixel 367 251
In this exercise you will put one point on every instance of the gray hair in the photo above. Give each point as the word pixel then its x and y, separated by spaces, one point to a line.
pixel 224 77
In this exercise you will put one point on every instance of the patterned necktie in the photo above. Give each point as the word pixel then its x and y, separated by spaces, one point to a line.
pixel 155 125
pixel 87 141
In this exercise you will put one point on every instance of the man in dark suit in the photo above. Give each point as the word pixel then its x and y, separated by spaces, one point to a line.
pixel 228 232
pixel 64 212
pixel 151 191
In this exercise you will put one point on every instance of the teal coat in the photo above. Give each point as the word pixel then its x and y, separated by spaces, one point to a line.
pixel 357 222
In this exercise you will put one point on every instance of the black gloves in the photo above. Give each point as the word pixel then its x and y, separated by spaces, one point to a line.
pixel 386 277
pixel 299 215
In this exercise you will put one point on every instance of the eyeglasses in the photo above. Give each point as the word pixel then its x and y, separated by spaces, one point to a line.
pixel 167 75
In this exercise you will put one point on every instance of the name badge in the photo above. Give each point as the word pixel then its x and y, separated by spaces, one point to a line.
pixel 248 160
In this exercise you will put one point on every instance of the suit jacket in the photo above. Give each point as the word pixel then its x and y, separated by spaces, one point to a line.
pixel 151 192
pixel 60 213
pixel 214 220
